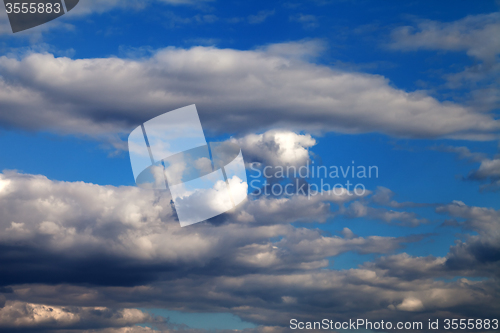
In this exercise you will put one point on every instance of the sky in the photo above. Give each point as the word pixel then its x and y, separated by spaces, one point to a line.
pixel 411 89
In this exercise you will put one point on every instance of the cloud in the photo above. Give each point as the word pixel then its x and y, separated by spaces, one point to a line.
pixel 308 21
pixel 21 315
pixel 84 246
pixel 100 6
pixel 462 152
pixel 360 209
pixel 479 254
pixel 235 91
pixel 277 148
pixel 410 304
pixel 260 17
pixel 272 299
pixel 78 246
pixel 174 21
pixel 89 7
pixel 474 34
pixel 59 226
pixel 383 196
pixel 488 171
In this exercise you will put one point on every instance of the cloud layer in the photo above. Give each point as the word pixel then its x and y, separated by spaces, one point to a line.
pixel 244 91
pixel 84 246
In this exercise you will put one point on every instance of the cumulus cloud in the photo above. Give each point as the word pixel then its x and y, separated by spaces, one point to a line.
pixel 81 247
pixel 478 254
pixel 272 299
pixel 277 148
pixel 235 91
pixel 109 229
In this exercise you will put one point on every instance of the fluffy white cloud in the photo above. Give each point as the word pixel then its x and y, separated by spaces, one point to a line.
pixel 277 148
pixel 235 91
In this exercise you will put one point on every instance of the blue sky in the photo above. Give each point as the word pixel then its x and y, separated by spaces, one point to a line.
pixel 410 87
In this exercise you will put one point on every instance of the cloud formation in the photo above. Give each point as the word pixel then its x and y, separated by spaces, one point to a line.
pixel 82 246
pixel 115 228
pixel 25 316
pixel 475 34
pixel 489 168
pixel 245 91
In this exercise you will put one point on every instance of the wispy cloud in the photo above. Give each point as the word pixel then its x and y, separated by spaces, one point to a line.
pixel 308 21
pixel 260 17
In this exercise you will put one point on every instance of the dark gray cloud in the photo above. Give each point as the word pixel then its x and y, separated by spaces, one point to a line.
pixel 77 245
pixel 60 232
pixel 478 254
pixel 489 172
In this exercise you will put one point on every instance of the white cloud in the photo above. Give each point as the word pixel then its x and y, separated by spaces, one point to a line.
pixel 235 91
pixel 277 148
pixel 410 304
pixel 475 34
